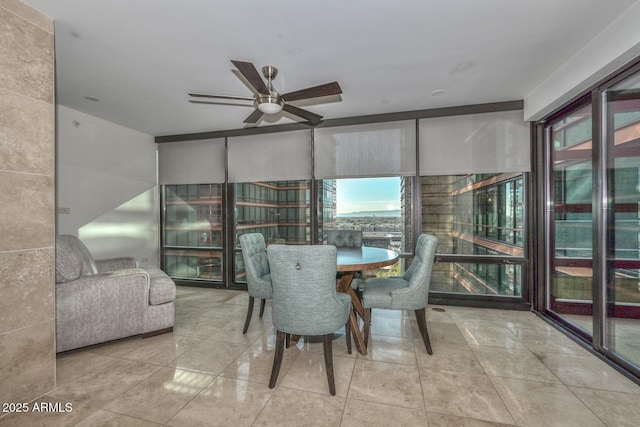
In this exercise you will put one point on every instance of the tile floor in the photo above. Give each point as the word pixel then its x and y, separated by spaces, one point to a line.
pixel 489 368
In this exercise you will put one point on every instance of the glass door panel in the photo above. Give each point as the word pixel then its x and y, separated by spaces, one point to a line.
pixel 622 296
pixel 192 232
pixel 570 294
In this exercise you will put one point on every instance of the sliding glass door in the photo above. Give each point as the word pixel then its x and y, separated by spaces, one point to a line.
pixel 621 113
pixel 570 218
pixel 592 221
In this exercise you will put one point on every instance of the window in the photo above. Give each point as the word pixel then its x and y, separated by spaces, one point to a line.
pixel 193 238
pixel 476 215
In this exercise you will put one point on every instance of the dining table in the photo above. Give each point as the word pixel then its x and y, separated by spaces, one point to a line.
pixel 350 261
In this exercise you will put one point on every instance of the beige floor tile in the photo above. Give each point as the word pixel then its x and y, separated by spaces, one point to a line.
pixel 161 396
pixel 444 332
pixel 615 409
pixel 449 357
pixel 73 365
pixel 231 330
pixel 487 333
pixel 226 311
pixel 210 356
pixel 386 383
pixel 379 312
pixel 198 326
pixel 548 340
pixel 467 395
pixel 382 348
pixel 255 363
pixel 520 364
pixel 308 373
pixel 393 385
pixel 587 371
pixel 542 404
pixel 106 382
pixel 225 402
pixel 103 418
pixel 161 349
pixel 361 413
pixel 296 408
pixel 392 326
pixel 441 420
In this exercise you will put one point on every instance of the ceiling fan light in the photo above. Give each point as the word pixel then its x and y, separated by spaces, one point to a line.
pixel 270 107
pixel 269 104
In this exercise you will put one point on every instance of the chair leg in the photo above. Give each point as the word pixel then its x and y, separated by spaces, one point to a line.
pixel 422 325
pixel 249 312
pixel 262 307
pixel 287 340
pixel 347 329
pixel 277 358
pixel 367 326
pixel 328 363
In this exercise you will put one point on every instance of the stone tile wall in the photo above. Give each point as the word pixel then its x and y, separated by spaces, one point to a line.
pixel 27 208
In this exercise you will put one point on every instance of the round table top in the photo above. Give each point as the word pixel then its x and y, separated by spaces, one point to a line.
pixel 365 258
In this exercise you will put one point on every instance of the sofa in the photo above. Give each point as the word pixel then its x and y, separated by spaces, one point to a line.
pixel 104 300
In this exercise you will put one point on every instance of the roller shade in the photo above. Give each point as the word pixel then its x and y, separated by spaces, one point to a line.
pixel 371 150
pixel 280 156
pixel 191 162
pixel 475 143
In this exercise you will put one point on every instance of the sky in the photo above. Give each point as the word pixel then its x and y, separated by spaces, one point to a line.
pixel 367 194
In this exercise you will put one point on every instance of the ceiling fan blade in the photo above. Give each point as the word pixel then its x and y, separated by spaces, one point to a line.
pixel 326 89
pixel 253 117
pixel 307 115
pixel 231 104
pixel 248 70
pixel 208 95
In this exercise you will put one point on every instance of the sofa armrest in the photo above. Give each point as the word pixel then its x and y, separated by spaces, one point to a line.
pixel 112 287
pixel 101 307
pixel 113 264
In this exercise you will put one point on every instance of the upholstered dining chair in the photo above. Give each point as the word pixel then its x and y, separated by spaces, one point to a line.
pixel 305 301
pixel 407 292
pixel 344 238
pixel 256 265
pixel 347 239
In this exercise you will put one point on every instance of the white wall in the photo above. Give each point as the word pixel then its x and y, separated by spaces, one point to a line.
pixel 106 177
pixel 615 46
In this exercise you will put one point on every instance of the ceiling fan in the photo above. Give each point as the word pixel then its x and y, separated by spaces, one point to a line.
pixel 267 100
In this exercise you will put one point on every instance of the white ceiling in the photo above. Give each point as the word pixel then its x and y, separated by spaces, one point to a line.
pixel 140 58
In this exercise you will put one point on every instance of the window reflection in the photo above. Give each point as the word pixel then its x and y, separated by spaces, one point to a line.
pixel 476 215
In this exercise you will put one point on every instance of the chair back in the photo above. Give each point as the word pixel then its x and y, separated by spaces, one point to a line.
pixel 419 272
pixel 344 238
pixel 304 289
pixel 256 265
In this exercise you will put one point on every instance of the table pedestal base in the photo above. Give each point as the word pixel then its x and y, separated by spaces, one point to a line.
pixel 344 286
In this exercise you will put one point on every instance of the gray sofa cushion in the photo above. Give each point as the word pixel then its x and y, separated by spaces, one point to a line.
pixel 68 262
pixel 161 288
pixel 81 251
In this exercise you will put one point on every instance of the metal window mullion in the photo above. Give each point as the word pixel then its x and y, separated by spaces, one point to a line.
pixel 600 213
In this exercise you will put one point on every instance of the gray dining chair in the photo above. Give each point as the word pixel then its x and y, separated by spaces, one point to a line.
pixel 344 238
pixel 407 292
pixel 256 265
pixel 305 301
pixel 347 239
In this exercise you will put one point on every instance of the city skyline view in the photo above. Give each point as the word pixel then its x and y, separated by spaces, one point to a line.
pixel 367 195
